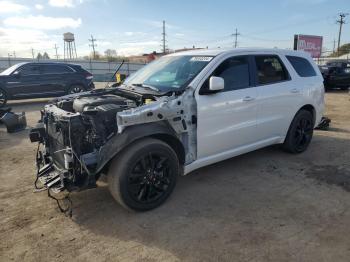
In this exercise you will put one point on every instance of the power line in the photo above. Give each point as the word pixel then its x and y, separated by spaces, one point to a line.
pixel 93 45
pixel 235 35
pixel 341 21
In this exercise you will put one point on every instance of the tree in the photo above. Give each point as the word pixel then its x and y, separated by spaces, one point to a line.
pixel 344 49
pixel 97 55
pixel 110 52
pixel 39 56
pixel 46 56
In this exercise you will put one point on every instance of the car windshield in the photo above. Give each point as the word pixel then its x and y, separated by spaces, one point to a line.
pixel 9 70
pixel 168 73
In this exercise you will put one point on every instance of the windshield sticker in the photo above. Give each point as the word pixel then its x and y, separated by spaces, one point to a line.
pixel 201 58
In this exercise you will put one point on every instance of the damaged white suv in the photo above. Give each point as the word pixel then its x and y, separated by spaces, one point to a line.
pixel 179 113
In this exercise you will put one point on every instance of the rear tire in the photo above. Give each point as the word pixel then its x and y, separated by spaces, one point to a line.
pixel 3 98
pixel 144 175
pixel 74 89
pixel 300 133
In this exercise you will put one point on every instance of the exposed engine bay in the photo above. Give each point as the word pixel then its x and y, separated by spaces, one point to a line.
pixel 79 134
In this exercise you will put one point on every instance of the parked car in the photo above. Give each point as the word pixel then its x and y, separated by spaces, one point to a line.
pixel 33 80
pixel 177 114
pixel 337 77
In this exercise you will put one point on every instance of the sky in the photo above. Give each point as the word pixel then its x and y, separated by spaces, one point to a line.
pixel 134 27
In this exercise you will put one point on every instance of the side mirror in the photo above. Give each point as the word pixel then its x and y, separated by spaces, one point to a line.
pixel 17 74
pixel 216 83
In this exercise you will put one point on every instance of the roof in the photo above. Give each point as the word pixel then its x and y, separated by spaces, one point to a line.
pixel 218 51
pixel 48 63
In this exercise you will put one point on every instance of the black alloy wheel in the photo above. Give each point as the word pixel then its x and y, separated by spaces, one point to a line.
pixel 303 133
pixel 144 175
pixel 149 178
pixel 3 98
pixel 76 89
pixel 300 132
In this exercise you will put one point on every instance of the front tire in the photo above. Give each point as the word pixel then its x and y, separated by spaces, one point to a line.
pixel 300 133
pixel 144 175
pixel 3 98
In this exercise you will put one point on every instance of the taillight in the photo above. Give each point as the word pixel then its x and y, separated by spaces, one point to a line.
pixel 89 76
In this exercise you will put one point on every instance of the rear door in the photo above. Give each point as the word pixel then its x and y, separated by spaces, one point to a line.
pixel 277 96
pixel 342 77
pixel 227 119
pixel 54 78
pixel 25 81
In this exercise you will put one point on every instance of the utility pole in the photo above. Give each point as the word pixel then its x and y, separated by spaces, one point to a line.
pixel 163 40
pixel 334 43
pixel 56 47
pixel 341 21
pixel 93 45
pixel 14 54
pixel 235 35
pixel 9 58
pixel 33 53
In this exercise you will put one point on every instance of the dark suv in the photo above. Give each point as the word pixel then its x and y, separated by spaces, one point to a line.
pixel 34 80
pixel 336 75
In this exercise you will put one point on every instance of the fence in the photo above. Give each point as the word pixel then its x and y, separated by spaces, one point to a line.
pixel 102 70
pixel 324 60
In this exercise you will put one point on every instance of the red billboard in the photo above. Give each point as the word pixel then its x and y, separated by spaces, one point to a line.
pixel 309 43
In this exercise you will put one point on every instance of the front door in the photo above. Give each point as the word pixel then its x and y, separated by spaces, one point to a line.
pixel 227 119
pixel 25 81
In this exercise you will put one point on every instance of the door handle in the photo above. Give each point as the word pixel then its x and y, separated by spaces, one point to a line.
pixel 294 90
pixel 248 98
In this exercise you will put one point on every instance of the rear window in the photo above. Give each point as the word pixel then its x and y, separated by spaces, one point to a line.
pixel 56 69
pixel 302 66
pixel 270 70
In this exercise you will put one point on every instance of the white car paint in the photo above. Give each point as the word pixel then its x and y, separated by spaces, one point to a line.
pixel 236 122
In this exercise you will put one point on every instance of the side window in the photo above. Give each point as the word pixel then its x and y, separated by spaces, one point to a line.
pixel 30 70
pixel 234 71
pixel 270 69
pixel 56 69
pixel 301 66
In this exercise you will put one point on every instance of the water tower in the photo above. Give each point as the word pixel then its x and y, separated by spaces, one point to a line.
pixel 70 52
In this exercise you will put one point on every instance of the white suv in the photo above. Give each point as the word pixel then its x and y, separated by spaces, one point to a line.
pixel 179 113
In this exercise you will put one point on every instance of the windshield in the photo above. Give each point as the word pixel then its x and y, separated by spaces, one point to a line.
pixel 9 70
pixel 169 72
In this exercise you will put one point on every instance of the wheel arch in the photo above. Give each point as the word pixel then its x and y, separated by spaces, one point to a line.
pixel 310 108
pixel 159 130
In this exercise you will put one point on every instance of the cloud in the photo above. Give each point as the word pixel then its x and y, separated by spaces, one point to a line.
pixel 11 7
pixel 22 40
pixel 103 43
pixel 39 7
pixel 146 43
pixel 65 3
pixel 127 51
pixel 156 23
pixel 42 22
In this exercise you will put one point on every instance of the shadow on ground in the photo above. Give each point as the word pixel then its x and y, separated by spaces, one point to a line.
pixel 246 203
